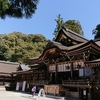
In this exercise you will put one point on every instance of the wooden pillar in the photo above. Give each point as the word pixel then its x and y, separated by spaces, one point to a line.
pixel 47 74
pixel 4 80
pixel 11 78
pixel 78 90
pixel 56 76
pixel 15 79
pixel 71 71
pixel 33 76
pixel 47 65
pixel 89 93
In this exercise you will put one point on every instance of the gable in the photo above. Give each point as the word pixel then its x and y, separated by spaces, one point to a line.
pixel 69 38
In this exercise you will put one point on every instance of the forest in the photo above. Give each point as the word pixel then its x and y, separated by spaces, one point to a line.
pixel 18 47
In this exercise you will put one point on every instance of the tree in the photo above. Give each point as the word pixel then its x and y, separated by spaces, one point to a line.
pixel 18 8
pixel 59 25
pixel 18 47
pixel 96 32
pixel 74 26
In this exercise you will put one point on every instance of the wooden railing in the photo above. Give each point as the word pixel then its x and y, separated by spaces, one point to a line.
pixel 40 82
pixel 80 83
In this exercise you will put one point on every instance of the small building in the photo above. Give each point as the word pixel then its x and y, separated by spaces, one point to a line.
pixel 10 73
pixel 6 68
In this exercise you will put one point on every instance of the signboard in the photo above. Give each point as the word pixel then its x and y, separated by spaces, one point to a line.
pixel 81 72
pixel 78 64
pixel 62 67
pixel 52 68
pixel 87 71
pixel 65 66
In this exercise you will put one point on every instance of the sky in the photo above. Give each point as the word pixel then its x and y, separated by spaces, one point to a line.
pixel 87 12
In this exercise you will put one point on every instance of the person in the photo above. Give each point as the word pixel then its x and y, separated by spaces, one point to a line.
pixel 33 90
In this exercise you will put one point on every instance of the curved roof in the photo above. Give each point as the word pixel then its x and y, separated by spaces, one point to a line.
pixel 56 47
pixel 72 35
pixel 97 42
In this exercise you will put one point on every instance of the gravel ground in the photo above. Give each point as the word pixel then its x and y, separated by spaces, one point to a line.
pixel 10 95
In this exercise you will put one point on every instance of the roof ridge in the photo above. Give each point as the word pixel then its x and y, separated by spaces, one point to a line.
pixel 68 30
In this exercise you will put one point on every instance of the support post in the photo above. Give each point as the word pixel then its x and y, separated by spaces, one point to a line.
pixel 89 93
pixel 56 78
pixel 4 81
pixel 71 70
pixel 11 78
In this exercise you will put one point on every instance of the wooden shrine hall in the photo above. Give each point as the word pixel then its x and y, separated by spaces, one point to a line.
pixel 69 66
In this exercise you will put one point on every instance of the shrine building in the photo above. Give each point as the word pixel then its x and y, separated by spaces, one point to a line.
pixel 68 66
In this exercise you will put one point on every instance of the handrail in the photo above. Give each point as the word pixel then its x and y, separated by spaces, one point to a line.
pixel 38 82
pixel 80 82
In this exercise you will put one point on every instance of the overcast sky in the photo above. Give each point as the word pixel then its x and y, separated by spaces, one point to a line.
pixel 87 12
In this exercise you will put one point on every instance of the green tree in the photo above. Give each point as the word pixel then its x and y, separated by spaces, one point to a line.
pixel 18 47
pixel 4 5
pixel 59 25
pixel 96 32
pixel 18 8
pixel 74 26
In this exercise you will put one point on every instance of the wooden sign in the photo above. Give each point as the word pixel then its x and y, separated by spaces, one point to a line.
pixel 52 68
pixel 62 67
pixel 78 64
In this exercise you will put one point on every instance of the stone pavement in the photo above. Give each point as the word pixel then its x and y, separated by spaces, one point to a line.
pixel 11 95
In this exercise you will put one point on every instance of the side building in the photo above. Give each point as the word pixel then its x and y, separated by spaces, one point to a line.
pixel 6 69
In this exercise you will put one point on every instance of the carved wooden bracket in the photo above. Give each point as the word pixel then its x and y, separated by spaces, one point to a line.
pixel 46 62
pixel 86 56
pixel 70 57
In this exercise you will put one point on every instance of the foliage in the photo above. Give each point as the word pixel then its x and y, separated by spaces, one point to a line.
pixel 96 32
pixel 74 26
pixel 18 8
pixel 18 47
pixel 4 5
pixel 59 25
